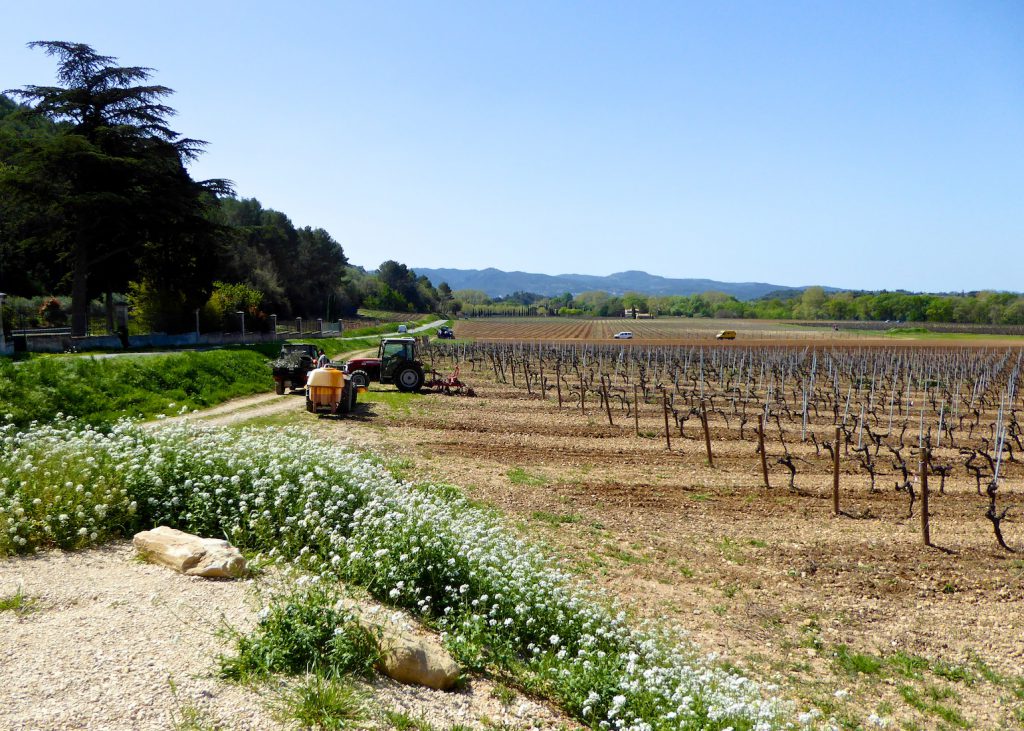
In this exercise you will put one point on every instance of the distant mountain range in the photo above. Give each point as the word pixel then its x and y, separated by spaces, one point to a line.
pixel 497 283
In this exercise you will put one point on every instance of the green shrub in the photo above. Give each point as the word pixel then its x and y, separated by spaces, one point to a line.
pixel 305 631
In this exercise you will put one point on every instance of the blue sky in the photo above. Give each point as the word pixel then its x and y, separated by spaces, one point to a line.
pixel 864 144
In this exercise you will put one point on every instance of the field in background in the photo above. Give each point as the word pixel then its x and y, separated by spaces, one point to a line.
pixel 685 330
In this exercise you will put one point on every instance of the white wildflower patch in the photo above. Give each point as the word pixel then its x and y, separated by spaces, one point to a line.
pixel 336 515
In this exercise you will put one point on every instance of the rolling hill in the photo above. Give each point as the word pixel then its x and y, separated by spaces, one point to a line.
pixel 497 283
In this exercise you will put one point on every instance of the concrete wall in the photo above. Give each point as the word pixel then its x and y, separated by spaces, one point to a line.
pixel 61 343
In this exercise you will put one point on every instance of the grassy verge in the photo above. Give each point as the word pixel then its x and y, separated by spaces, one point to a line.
pixel 499 602
pixel 102 391
pixel 389 327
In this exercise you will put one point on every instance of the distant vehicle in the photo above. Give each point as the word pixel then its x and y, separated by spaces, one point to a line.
pixel 403 328
pixel 624 335
pixel 445 333
pixel 726 335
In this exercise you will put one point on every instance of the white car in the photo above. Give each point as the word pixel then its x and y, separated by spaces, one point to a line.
pixel 624 335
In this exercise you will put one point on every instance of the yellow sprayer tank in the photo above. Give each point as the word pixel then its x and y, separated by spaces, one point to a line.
pixel 324 386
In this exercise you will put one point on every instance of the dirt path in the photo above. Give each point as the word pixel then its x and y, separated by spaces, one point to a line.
pixel 239 410
pixel 116 644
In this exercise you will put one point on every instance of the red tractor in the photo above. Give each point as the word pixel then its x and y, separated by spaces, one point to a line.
pixel 395 363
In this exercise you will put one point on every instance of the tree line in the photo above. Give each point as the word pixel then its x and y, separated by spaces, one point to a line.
pixel 97 203
pixel 813 303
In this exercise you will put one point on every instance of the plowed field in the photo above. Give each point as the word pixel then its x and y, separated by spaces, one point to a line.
pixel 850 615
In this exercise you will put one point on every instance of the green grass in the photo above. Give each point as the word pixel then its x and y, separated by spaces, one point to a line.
pixel 920 333
pixel 857 662
pixel 909 666
pixel 625 556
pixel 554 518
pixel 402 404
pixel 504 695
pixel 731 550
pixel 318 702
pixel 519 476
pixel 929 701
pixel 336 348
pixel 953 672
pixel 282 419
pixel 103 391
pixel 401 721
pixel 18 602
pixel 401 468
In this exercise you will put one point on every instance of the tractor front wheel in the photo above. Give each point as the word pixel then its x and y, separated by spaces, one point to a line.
pixel 279 387
pixel 409 379
pixel 359 379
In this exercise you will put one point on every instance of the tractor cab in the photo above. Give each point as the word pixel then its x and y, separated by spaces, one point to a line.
pixel 393 354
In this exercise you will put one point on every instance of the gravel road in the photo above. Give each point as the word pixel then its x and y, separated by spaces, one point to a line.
pixel 112 643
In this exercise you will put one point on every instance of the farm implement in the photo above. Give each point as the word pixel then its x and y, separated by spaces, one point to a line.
pixel 448 385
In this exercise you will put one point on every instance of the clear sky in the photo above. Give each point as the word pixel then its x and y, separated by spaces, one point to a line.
pixel 855 144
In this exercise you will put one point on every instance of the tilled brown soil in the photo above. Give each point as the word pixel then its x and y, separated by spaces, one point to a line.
pixel 849 614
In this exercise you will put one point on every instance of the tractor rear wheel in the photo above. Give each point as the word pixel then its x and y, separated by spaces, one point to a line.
pixel 409 379
pixel 279 387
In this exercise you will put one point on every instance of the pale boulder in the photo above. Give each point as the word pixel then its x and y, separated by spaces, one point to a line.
pixel 417 660
pixel 189 554
pixel 408 657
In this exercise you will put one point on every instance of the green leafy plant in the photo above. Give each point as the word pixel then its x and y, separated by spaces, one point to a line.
pixel 305 631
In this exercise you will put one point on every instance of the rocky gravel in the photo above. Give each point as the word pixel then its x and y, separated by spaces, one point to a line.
pixel 109 642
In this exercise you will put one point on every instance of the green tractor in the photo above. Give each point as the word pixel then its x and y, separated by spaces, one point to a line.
pixel 395 363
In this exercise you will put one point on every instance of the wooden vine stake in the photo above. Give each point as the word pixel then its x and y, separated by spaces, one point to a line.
pixel 636 410
pixel 926 534
pixel 607 402
pixel 707 433
pixel 760 446
pixel 664 403
pixel 835 474
pixel 558 384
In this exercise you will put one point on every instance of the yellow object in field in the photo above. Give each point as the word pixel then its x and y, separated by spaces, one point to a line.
pixel 726 335
pixel 324 386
